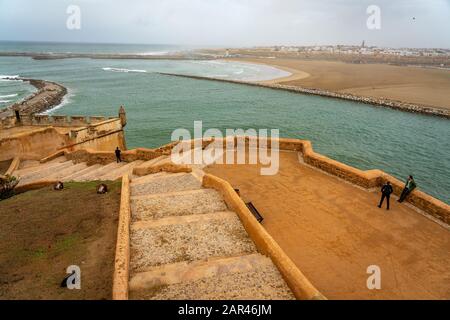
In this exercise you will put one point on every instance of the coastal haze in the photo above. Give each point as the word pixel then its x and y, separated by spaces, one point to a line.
pixel 368 83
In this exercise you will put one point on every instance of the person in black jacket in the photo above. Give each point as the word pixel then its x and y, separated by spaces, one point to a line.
pixel 386 191
pixel 117 151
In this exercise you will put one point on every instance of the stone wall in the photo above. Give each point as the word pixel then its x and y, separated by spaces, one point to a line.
pixel 33 145
pixel 122 258
pixel 37 143
pixel 92 156
pixel 55 121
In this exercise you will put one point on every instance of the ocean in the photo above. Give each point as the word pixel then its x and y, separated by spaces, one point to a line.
pixel 364 136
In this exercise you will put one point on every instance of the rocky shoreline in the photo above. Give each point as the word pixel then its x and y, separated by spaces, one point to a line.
pixel 48 95
pixel 388 103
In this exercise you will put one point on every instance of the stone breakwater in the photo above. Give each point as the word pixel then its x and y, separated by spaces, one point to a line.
pixel 393 104
pixel 48 95
pixel 56 56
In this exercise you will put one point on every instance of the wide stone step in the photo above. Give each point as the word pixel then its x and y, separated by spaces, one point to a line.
pixel 76 175
pixel 32 168
pixel 188 157
pixel 164 184
pixel 202 239
pixel 149 177
pixel 118 173
pixel 191 271
pixel 193 218
pixel 61 174
pixel 176 204
pixel 251 277
pixel 96 174
pixel 153 162
pixel 44 173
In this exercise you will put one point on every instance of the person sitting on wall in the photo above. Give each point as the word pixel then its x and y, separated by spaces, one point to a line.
pixel 386 191
pixel 102 189
pixel 117 152
pixel 410 185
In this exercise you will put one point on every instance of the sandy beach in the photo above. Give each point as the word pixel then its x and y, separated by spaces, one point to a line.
pixel 417 85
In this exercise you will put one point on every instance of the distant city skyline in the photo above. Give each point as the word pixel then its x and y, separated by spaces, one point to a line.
pixel 230 23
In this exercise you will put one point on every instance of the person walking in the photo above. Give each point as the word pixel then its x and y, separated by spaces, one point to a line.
pixel 410 185
pixel 386 191
pixel 118 159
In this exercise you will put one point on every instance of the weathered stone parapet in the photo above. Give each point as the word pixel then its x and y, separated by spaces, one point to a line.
pixel 96 119
pixel 78 120
pixel 41 120
pixel 60 121
pixel 7 122
pixel 104 157
pixel 122 257
pixel 53 120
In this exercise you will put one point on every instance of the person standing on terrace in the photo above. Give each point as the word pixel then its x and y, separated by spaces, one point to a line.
pixel 117 152
pixel 386 191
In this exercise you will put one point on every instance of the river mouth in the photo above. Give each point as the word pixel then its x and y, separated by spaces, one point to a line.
pixel 360 135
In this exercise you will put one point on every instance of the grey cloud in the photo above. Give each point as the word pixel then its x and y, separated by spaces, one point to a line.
pixel 230 22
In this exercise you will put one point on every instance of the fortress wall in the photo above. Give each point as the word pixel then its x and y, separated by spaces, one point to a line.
pixel 106 142
pixel 55 120
pixel 92 156
pixel 95 130
pixel 96 119
pixel 297 282
pixel 34 145
pixel 8 122
pixel 37 143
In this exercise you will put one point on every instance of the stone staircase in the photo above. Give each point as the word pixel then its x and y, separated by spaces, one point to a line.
pixel 186 244
pixel 64 170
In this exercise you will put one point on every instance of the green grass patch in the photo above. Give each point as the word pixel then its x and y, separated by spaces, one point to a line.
pixel 92 185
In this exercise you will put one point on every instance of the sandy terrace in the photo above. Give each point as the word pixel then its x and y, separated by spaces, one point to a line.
pixel 333 231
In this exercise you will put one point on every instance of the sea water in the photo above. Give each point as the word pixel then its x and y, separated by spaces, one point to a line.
pixel 360 135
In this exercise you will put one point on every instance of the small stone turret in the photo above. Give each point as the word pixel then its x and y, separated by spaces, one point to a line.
pixel 122 116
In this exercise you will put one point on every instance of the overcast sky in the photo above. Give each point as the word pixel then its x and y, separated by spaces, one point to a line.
pixel 404 23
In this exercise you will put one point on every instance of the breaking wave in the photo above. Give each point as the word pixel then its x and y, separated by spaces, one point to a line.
pixel 9 96
pixel 124 70
pixel 8 78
